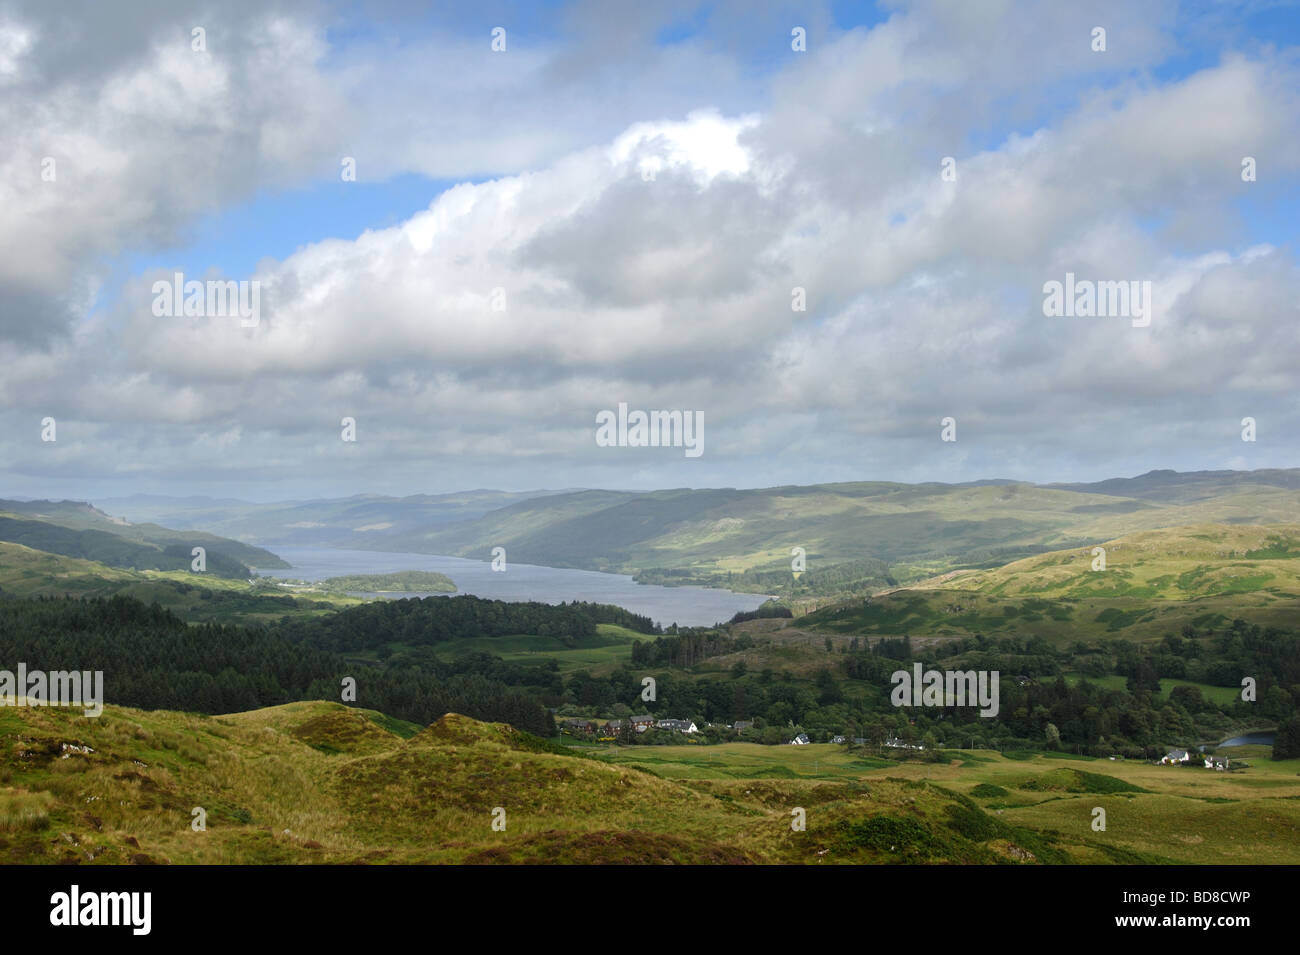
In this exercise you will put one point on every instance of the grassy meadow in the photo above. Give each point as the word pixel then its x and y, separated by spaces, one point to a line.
pixel 609 647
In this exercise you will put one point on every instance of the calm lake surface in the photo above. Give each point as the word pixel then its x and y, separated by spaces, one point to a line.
pixel 1251 739
pixel 688 606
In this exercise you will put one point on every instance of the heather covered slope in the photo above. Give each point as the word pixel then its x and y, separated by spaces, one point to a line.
pixel 1172 564
pixel 323 783
pixel 318 782
pixel 1154 582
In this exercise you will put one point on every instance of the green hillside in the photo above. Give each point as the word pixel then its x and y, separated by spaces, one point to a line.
pixel 1154 582
pixel 1178 564
pixel 25 572
pixel 722 537
pixel 76 529
pixel 364 521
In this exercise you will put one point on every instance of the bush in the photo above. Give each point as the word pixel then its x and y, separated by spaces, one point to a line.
pixel 884 832
pixel 974 824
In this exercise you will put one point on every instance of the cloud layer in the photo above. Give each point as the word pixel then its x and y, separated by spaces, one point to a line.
pixel 634 219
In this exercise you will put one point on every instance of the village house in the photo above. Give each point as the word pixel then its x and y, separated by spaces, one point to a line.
pixel 1175 756
pixel 895 742
pixel 1219 763
pixel 800 740
pixel 681 726
pixel 642 723
pixel 586 727
pixel 743 725
pixel 614 727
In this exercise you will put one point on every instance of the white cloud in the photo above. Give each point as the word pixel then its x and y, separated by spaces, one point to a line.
pixel 671 291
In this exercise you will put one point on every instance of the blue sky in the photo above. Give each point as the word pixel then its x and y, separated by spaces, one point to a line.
pixel 278 223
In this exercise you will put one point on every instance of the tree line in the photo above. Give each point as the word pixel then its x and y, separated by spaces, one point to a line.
pixel 431 620
pixel 152 659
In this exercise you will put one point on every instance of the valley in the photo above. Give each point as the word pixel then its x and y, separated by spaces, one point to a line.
pixel 1112 650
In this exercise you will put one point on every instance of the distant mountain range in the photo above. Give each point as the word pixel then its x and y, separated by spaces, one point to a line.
pixel 711 535
pixel 77 529
pixel 365 521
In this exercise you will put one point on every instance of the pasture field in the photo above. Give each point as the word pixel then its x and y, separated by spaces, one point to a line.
pixel 1153 813
pixel 1113 681
pixel 611 645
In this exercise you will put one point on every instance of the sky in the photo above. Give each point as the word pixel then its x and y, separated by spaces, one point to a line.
pixel 828 231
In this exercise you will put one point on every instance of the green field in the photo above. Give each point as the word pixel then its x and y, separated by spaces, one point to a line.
pixel 747 761
pixel 1154 813
pixel 396 582
pixel 612 645
pixel 1216 694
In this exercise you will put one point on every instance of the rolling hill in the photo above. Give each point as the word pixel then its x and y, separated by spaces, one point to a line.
pixel 322 783
pixel 365 521
pixel 77 529
pixel 1154 582
pixel 25 572
pixel 743 538
pixel 914 529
